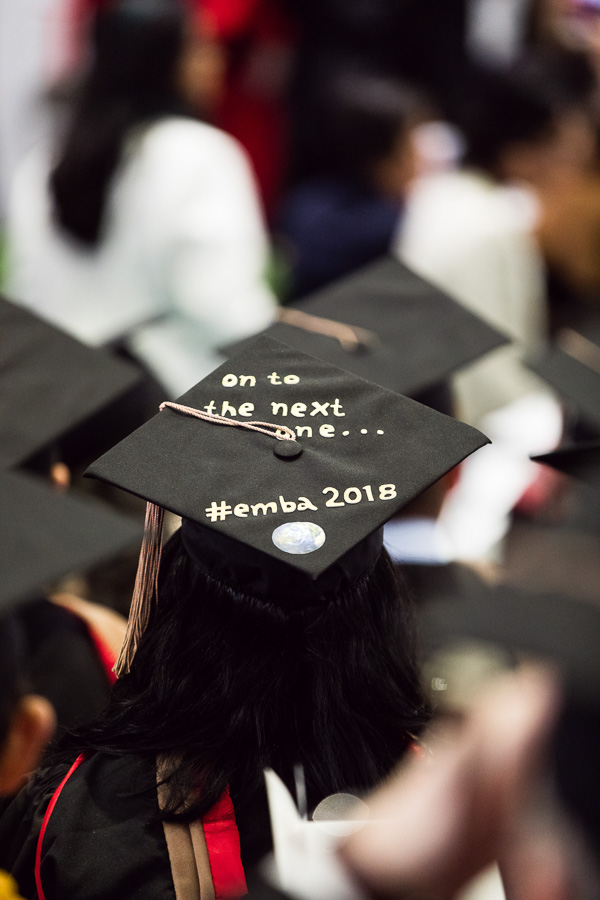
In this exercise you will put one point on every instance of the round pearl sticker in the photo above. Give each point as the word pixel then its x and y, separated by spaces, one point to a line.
pixel 298 537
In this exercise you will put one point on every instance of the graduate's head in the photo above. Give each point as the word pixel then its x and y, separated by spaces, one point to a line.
pixel 277 627
pixel 288 466
pixel 153 51
pixel 146 62
pixel 528 124
pixel 366 131
pixel 135 49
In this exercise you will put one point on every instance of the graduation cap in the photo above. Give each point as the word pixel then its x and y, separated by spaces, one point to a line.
pixel 388 325
pixel 571 365
pixel 559 630
pixel 320 460
pixel 50 383
pixel 45 534
pixel 581 461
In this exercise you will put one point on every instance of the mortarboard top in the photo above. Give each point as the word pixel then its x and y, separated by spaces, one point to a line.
pixel 49 383
pixel 45 534
pixel 560 630
pixel 581 461
pixel 571 365
pixel 365 453
pixel 411 335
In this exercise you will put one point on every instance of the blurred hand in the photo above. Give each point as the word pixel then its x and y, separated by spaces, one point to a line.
pixel 444 820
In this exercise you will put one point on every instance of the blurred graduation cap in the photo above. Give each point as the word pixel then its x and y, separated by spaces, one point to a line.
pixel 559 630
pixel 51 383
pixel 571 365
pixel 388 325
pixel 320 460
pixel 45 534
pixel 581 461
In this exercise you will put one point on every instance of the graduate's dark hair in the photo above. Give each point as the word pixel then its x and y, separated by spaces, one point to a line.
pixel 521 105
pixel 227 684
pixel 131 82
pixel 357 124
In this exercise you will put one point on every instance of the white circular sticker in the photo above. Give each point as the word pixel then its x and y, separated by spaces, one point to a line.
pixel 298 537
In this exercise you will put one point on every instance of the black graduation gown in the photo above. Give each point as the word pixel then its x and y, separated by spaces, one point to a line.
pixel 103 840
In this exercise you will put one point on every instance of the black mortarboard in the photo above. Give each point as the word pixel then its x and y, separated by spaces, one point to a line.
pixel 388 325
pixel 581 461
pixel 560 630
pixel 45 534
pixel 49 383
pixel 571 365
pixel 361 454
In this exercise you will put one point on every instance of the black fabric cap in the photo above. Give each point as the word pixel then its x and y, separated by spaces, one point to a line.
pixel 562 631
pixel 45 534
pixel 419 335
pixel 571 366
pixel 49 383
pixel 581 461
pixel 366 452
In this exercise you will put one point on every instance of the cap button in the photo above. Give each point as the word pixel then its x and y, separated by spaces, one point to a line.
pixel 287 449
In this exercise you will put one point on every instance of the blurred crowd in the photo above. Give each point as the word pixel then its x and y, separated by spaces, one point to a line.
pixel 178 176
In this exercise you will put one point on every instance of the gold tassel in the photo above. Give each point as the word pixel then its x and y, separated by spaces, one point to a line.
pixel 146 587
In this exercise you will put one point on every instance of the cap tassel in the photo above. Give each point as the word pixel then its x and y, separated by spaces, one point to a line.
pixel 146 587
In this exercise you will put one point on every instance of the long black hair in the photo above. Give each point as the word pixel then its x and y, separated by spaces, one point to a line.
pixel 132 81
pixel 225 684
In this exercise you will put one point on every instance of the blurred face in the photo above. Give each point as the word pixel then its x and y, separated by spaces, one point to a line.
pixel 202 67
pixel 31 728
pixel 574 144
pixel 394 173
pixel 567 151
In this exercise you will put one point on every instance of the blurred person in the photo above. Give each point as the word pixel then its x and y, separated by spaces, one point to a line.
pixel 346 214
pixel 142 228
pixel 473 231
pixel 422 44
pixel 249 44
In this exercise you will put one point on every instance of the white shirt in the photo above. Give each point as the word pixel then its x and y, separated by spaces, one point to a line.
pixel 474 239
pixel 180 269
pixel 418 540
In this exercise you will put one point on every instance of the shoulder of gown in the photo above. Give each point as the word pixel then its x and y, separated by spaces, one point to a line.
pixel 103 839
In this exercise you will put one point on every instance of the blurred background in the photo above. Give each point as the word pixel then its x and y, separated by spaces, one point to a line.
pixel 460 136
